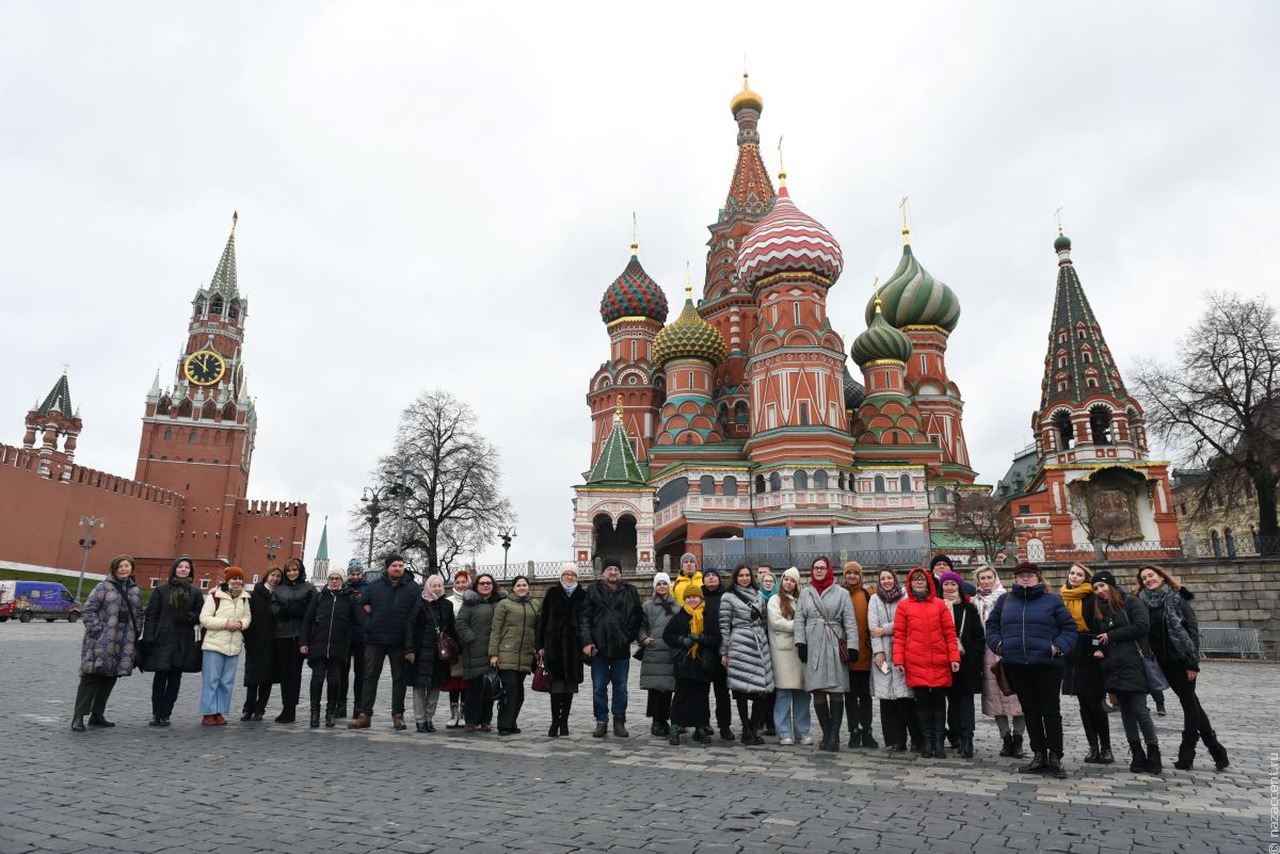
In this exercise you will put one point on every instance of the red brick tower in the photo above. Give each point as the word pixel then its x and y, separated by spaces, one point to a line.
pixel 633 308
pixel 727 305
pixel 796 365
pixel 197 438
pixel 54 420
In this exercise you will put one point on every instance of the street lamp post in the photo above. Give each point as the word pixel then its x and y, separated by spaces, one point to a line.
pixel 507 535
pixel 372 499
pixel 87 543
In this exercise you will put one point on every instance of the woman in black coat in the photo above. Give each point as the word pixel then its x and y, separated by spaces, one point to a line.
pixel 1082 673
pixel 430 617
pixel 1175 639
pixel 326 633
pixel 1120 625
pixel 695 655
pixel 713 591
pixel 259 648
pixel 560 646
pixel 967 681
pixel 289 602
pixel 169 645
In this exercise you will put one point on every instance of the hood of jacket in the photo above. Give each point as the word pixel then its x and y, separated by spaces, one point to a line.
pixel 471 597
pixel 1035 591
pixel 928 592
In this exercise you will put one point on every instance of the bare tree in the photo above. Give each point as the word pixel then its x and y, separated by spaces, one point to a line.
pixel 1218 407
pixel 981 517
pixel 440 490
pixel 1100 530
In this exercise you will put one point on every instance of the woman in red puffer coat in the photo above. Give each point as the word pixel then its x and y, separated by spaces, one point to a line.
pixel 925 650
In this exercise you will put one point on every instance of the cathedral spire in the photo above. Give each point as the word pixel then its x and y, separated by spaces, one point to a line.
pixel 224 278
pixel 750 190
pixel 1078 364
pixel 59 398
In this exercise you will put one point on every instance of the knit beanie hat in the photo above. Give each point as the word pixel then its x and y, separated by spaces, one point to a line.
pixel 390 559
pixel 355 565
pixel 1106 577
pixel 661 578
pixel 610 561
pixel 941 559
pixel 951 576
pixel 232 572
pixel 336 571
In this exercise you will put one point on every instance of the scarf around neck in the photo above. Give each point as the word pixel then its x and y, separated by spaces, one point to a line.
pixel 696 625
pixel 1167 598
pixel 820 587
pixel 1073 598
pixel 891 595
pixel 987 601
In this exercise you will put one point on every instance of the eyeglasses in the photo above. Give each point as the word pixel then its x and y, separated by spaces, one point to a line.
pixel 485 584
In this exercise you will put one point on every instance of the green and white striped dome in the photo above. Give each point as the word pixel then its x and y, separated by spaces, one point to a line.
pixel 912 297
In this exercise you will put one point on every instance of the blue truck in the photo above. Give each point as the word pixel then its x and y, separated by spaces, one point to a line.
pixel 26 600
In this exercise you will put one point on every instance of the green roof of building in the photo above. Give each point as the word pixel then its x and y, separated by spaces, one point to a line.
pixel 322 553
pixel 617 464
pixel 59 398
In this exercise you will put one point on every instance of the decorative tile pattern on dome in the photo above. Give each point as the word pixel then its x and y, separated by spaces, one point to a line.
pixel 880 342
pixel 788 241
pixel 854 391
pixel 912 297
pixel 633 294
pixel 689 337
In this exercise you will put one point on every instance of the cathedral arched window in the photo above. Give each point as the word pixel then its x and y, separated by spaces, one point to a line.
pixel 800 479
pixel 940 495
pixel 168 433
pixel 201 306
pixel 904 483
pixel 1100 425
pixel 162 408
pixel 759 484
pixel 1066 430
pixel 215 307
pixel 707 485
pixel 878 483
pixel 724 414
pixel 819 480
pixel 840 481
pixel 775 482
pixel 1087 355
pixel 1231 541
pixel 184 408
pixel 1216 542
pixel 1062 360
pixel 233 310
pixel 740 415
pixel 730 485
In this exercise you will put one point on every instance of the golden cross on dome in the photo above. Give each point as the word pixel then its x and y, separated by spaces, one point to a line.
pixel 782 168
pixel 876 287
pixel 906 232
pixel 635 242
pixel 1058 215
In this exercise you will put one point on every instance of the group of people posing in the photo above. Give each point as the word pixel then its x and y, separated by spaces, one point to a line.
pixel 779 651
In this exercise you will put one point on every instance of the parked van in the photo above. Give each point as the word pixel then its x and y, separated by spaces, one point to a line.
pixel 25 600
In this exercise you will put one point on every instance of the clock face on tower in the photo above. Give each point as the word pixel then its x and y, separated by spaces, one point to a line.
pixel 204 367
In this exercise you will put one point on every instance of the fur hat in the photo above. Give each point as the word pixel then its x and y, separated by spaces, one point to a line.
pixel 661 578
pixel 232 572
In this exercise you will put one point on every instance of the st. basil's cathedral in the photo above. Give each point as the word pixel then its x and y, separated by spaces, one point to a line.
pixel 737 431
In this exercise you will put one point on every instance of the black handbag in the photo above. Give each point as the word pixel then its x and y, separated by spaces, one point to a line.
pixel 493 689
pixel 193 658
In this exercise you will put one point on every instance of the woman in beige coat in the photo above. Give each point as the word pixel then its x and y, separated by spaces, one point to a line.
pixel 224 616
pixel 791 706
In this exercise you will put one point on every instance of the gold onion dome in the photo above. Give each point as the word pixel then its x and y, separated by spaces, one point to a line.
pixel 746 99
pixel 689 337
pixel 880 342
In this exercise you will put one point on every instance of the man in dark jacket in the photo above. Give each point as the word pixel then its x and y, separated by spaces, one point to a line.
pixel 610 621
pixel 384 614
pixel 355 583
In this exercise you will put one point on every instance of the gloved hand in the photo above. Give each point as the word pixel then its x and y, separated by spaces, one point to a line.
pixel 696 638
pixel 853 653
pixel 686 642
pixel 802 650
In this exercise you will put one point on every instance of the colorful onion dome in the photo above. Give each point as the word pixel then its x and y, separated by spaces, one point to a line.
pixel 880 342
pixel 746 99
pixel 854 391
pixel 689 337
pixel 1063 242
pixel 912 297
pixel 788 240
pixel 633 294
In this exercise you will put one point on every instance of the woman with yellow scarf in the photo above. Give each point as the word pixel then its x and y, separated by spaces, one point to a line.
pixel 693 651
pixel 1082 676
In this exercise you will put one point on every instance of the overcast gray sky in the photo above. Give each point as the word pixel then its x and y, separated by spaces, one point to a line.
pixel 432 195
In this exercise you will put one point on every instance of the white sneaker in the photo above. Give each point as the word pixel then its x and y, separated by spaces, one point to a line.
pixel 806 739
pixel 788 740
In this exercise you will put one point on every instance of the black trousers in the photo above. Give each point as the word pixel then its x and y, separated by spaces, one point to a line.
pixel 897 720
pixel 374 655
pixel 691 703
pixel 1039 687
pixel 658 706
pixel 1094 719
pixel 164 692
pixel 344 684
pixel 512 698
pixel 289 662
pixel 476 710
pixel 1195 723
pixel 326 671
pixel 959 713
pixel 256 697
pixel 857 701
pixel 724 711
pixel 92 694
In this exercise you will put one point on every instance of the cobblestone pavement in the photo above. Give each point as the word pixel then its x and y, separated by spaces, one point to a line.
pixel 272 787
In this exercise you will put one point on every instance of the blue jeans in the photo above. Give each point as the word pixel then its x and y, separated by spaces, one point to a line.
pixel 218 677
pixel 605 670
pixel 784 717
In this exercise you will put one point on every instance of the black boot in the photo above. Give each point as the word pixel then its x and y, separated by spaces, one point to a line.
pixel 851 713
pixel 554 730
pixel 1186 752
pixel 1018 752
pixel 97 719
pixel 837 718
pixel 966 746
pixel 1105 756
pixel 1093 757
pixel 869 740
pixel 315 716
pixel 673 735
pixel 1038 764
pixel 1154 764
pixel 330 719
pixel 1007 748
pixel 927 737
pixel 1139 762
pixel 939 725
pixel 823 713
pixel 77 723
pixel 1217 751
pixel 566 702
pixel 1055 767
